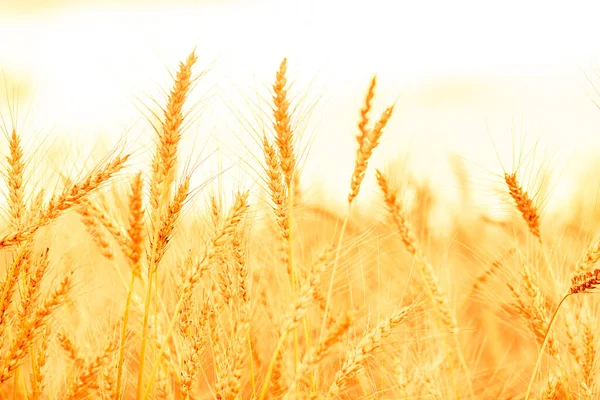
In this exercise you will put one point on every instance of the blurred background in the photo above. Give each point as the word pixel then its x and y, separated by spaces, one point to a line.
pixel 474 78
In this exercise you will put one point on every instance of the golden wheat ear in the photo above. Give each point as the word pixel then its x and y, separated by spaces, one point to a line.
pixel 368 140
pixel 282 123
pixel 366 347
pixel 584 281
pixel 85 383
pixel 70 197
pixel 169 135
pixel 30 330
pixel 14 176
pixel 164 209
pixel 524 204
pixel 279 197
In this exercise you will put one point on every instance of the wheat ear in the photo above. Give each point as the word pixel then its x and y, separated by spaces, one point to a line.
pixel 295 314
pixel 163 166
pixel 366 347
pixel 30 329
pixel 367 140
pixel 275 183
pixel 68 198
pixel 16 190
pixel 317 353
pixel 87 379
pixel 38 363
pixel 237 213
pixel 524 204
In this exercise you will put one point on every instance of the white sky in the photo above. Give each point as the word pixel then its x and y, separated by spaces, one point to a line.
pixel 452 65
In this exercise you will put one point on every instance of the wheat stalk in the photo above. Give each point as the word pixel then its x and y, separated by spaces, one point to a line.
pixel 134 254
pixel 580 283
pixel 367 142
pixel 237 213
pixel 294 315
pixel 163 166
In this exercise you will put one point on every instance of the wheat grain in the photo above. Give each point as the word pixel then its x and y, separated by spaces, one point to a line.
pixel 15 173
pixel 97 234
pixel 68 198
pixel 367 142
pixel 69 347
pixel 282 124
pixel 37 373
pixel 169 135
pixel 87 379
pixel 169 220
pixel 524 204
pixel 365 348
pixel 135 240
pixel 30 329
pixel 316 354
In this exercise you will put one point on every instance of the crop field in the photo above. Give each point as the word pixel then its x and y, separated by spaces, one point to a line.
pixel 135 266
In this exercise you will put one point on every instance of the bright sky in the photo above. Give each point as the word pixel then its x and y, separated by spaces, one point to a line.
pixel 453 66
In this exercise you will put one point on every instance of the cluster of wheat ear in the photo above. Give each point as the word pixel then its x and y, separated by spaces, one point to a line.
pixel 112 288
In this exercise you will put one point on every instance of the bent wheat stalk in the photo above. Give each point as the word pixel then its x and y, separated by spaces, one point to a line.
pixel 580 283
pixel 544 344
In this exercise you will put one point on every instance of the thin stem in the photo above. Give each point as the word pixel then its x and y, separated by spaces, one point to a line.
pixel 123 335
pixel 272 365
pixel 151 267
pixel 144 335
pixel 333 270
pixel 164 345
pixel 250 359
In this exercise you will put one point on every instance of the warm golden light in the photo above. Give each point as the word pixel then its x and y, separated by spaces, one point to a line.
pixel 267 199
pixel 453 68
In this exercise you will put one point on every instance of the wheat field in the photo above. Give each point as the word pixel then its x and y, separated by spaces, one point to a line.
pixel 127 279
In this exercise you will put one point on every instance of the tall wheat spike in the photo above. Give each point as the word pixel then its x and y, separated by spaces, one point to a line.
pixel 163 170
pixel 368 140
pixel 283 127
